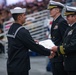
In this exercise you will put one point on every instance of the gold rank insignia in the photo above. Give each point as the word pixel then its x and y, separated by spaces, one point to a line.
pixel 62 50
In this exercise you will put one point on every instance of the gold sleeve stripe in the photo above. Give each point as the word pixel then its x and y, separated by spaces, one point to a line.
pixel 62 50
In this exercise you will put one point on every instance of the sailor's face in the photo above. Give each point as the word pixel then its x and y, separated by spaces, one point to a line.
pixel 23 17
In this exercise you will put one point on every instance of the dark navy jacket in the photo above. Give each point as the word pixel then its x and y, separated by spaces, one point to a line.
pixel 58 29
pixel 19 43
pixel 69 45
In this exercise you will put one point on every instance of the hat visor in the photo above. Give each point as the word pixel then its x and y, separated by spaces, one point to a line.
pixel 51 7
pixel 69 13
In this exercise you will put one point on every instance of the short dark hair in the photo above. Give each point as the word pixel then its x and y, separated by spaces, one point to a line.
pixel 15 16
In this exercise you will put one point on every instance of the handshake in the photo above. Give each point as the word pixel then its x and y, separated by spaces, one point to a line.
pixel 50 44
pixel 53 51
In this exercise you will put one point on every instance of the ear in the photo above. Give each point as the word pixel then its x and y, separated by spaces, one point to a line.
pixel 19 16
pixel 75 17
pixel 57 9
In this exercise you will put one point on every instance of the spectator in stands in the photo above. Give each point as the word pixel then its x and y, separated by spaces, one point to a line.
pixel 35 8
pixel 1 31
pixel 73 2
pixel 6 14
pixel 69 2
pixel 63 1
pixel 41 5
pixel 29 7
pixel 57 0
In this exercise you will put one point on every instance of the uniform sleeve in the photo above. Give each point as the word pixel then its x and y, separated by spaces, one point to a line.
pixel 28 41
pixel 70 47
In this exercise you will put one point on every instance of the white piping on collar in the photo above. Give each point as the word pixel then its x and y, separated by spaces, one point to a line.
pixel 13 36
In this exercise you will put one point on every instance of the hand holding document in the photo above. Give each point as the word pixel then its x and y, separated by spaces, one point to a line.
pixel 47 43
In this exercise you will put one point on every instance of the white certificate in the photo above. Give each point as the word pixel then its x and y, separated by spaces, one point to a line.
pixel 47 43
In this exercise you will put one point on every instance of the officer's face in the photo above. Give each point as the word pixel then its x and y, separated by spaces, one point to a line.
pixel 70 19
pixel 53 12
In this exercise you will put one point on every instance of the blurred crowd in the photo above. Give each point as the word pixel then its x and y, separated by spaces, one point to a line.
pixel 32 7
